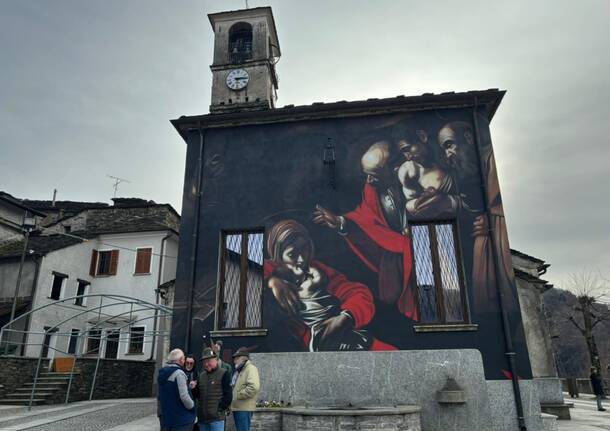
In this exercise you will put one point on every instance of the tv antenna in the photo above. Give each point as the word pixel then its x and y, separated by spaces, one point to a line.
pixel 117 181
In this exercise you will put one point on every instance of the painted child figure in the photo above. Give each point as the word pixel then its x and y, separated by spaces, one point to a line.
pixel 328 309
pixel 426 187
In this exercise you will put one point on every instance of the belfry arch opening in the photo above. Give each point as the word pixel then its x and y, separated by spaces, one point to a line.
pixel 240 42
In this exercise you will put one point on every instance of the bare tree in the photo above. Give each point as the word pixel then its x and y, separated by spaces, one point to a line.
pixel 592 292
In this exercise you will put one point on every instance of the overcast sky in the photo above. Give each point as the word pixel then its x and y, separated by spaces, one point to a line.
pixel 87 88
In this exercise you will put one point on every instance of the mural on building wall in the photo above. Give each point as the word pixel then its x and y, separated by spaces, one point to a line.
pixel 402 241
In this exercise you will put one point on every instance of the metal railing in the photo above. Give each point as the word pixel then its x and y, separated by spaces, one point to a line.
pixel 127 319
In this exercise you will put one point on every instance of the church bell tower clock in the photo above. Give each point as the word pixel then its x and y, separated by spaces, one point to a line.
pixel 246 50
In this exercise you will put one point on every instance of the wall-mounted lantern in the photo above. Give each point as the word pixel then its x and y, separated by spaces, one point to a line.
pixel 329 162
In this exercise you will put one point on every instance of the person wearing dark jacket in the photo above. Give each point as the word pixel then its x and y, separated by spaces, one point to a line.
pixel 177 407
pixel 214 393
pixel 598 388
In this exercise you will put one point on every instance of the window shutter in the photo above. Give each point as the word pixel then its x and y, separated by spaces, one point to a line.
pixel 93 265
pixel 114 262
pixel 143 257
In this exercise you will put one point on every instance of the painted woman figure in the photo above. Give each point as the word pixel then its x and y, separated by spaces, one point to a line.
pixel 327 310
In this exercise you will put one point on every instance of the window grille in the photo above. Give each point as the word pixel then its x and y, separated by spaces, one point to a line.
pixel 438 274
pixel 93 341
pixel 136 339
pixel 241 280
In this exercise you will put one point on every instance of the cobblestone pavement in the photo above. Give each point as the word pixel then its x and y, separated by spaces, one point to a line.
pixel 83 416
pixel 140 415
pixel 585 416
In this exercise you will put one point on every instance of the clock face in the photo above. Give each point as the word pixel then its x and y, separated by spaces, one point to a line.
pixel 237 79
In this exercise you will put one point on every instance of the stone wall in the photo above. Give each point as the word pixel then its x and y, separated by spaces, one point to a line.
pixel 373 379
pixel 15 371
pixel 115 378
pixel 504 410
pixel 296 419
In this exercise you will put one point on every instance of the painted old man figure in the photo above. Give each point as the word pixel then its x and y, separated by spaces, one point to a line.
pixel 377 230
pixel 327 310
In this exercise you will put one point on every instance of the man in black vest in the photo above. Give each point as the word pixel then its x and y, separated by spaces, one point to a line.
pixel 214 393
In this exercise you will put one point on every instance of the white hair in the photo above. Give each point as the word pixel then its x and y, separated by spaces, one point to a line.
pixel 175 356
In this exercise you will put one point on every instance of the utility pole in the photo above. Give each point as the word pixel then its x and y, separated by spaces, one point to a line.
pixel 29 223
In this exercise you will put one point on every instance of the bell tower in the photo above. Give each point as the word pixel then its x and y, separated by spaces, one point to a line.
pixel 246 50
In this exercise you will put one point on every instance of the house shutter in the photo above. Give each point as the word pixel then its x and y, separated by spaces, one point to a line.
pixel 114 262
pixel 93 265
pixel 143 257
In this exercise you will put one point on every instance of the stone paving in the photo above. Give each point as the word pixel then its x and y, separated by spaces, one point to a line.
pixel 140 415
pixel 585 416
pixel 116 415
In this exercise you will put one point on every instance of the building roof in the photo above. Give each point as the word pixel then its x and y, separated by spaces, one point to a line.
pixel 66 206
pixel 127 219
pixel 18 203
pixel 525 276
pixel 38 245
pixel 525 256
pixel 489 99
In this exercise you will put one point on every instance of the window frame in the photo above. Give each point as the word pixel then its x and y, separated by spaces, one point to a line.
pixel 243 282
pixel 98 339
pixel 74 332
pixel 150 262
pixel 63 278
pixel 112 269
pixel 81 298
pixel 440 303
pixel 129 344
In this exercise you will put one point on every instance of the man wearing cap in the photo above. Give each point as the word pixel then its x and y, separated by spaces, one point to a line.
pixel 246 385
pixel 216 347
pixel 176 407
pixel 214 393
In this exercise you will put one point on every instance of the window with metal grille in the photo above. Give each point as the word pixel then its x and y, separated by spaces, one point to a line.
pixel 438 273
pixel 93 341
pixel 136 339
pixel 241 280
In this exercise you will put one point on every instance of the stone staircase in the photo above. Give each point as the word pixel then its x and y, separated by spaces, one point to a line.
pixel 50 389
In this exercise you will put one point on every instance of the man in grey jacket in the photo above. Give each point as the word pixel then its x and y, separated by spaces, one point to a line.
pixel 175 398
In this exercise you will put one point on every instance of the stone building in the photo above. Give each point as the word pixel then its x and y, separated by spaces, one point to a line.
pixel 530 288
pixel 387 276
pixel 127 249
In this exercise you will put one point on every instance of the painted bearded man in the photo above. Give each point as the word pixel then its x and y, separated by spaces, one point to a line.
pixel 457 142
pixel 377 230
pixel 327 310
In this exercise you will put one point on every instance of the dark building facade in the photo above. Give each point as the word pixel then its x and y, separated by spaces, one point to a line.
pixel 373 225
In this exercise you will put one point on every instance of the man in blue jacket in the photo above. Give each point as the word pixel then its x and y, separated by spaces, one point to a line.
pixel 177 405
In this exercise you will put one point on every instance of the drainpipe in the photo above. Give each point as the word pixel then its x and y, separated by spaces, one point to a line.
pixel 508 341
pixel 195 239
pixel 159 282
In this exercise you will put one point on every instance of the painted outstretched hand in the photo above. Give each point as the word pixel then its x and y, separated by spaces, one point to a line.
pixel 326 218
